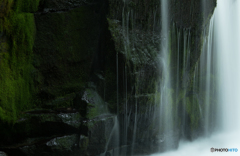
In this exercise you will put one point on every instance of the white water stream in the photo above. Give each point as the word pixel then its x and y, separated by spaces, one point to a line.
pixel 226 43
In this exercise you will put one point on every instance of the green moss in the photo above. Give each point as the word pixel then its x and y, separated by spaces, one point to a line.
pixel 15 64
pixel 5 7
pixel 181 95
pixel 193 111
pixel 95 106
pixel 26 5
pixel 92 112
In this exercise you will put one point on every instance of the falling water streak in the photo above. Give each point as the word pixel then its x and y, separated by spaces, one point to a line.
pixel 135 126
pixel 186 64
pixel 189 49
pixel 117 83
pixel 184 83
pixel 225 45
pixel 178 62
pixel 207 96
pixel 135 112
pixel 125 27
pixel 205 72
pixel 114 136
pixel 127 45
pixel 126 108
pixel 177 75
pixel 202 75
pixel 196 88
pixel 166 122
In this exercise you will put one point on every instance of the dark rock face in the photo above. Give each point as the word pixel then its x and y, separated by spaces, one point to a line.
pixel 64 5
pixel 135 27
pixel 66 43
pixel 92 59
pixel 52 133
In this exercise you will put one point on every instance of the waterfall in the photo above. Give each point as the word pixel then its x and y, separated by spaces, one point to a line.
pixel 217 75
pixel 206 66
pixel 166 121
pixel 113 138
pixel 135 127
pixel 185 73
pixel 228 47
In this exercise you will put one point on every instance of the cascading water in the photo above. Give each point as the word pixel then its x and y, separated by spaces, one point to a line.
pixel 220 56
pixel 186 64
pixel 166 121
pixel 205 86
pixel 113 138
pixel 227 38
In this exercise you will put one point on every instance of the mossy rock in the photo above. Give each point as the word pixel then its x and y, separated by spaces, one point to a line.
pixel 95 105
pixel 194 111
pixel 100 130
pixel 18 34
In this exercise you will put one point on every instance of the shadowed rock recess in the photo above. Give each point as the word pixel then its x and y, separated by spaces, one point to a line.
pixel 74 73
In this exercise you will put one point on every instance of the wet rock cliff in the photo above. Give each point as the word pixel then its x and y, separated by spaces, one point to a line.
pixel 83 76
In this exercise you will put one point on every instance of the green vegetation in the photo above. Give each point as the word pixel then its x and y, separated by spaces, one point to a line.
pixel 15 62
pixel 193 111
pixel 26 5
